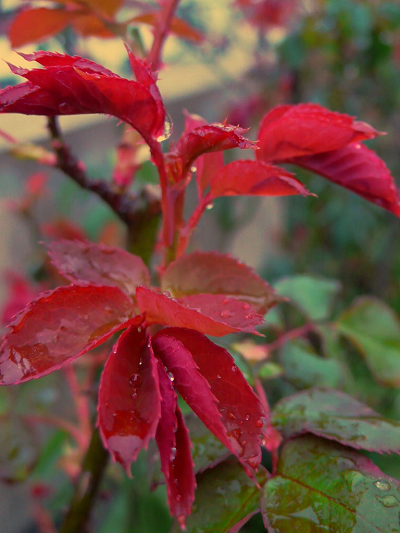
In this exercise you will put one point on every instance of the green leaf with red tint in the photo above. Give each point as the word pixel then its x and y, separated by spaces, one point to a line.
pixel 289 131
pixel 374 329
pixel 207 316
pixel 323 486
pixel 359 169
pixel 99 264
pixel 337 416
pixel 173 442
pixel 239 409
pixel 60 326
pixel 225 499
pixel 38 24
pixel 214 273
pixel 72 85
pixel 207 138
pixel 254 178
pixel 129 406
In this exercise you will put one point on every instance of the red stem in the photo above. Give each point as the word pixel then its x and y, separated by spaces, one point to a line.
pixel 290 335
pixel 70 428
pixel 161 31
pixel 187 231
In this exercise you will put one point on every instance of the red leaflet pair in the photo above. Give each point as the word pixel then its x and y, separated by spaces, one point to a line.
pixel 137 398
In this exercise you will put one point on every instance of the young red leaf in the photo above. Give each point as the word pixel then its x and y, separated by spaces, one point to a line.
pixel 60 326
pixel 214 273
pixel 254 178
pixel 36 25
pixel 106 7
pixel 89 25
pixel 99 264
pixel 129 407
pixel 72 85
pixel 207 138
pixel 358 169
pixel 178 27
pixel 162 309
pixel 173 442
pixel 306 129
pixel 242 413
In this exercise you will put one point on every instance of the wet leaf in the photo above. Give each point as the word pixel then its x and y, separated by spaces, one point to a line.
pixel 322 486
pixel 129 397
pixel 38 24
pixel 60 326
pixel 225 496
pixel 214 273
pixel 289 131
pixel 313 295
pixel 305 369
pixel 374 329
pixel 359 169
pixel 233 402
pixel 73 85
pixel 175 451
pixel 255 178
pixel 99 264
pixel 200 312
pixel 337 416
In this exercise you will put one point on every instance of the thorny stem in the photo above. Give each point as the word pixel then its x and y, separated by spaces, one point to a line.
pixel 123 204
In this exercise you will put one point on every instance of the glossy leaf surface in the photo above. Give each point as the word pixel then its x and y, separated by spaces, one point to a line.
pixel 323 486
pixel 73 85
pixel 99 264
pixel 162 309
pixel 374 329
pixel 225 496
pixel 60 326
pixel 359 169
pixel 129 397
pixel 289 131
pixel 304 368
pixel 313 295
pixel 337 416
pixel 214 273
pixel 174 445
pixel 240 410
pixel 37 24
pixel 255 178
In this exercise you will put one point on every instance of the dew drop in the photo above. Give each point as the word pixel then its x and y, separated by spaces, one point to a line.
pixel 244 442
pixel 234 368
pixel 226 314
pixel 167 294
pixel 171 376
pixel 245 306
pixel 218 376
pixel 388 501
pixel 209 207
pixel 135 380
pixel 247 418
pixel 178 497
pixel 225 301
pixel 231 415
pixel 382 485
pixel 173 454
pixel 193 169
pixel 259 423
pixel 249 316
pixel 168 127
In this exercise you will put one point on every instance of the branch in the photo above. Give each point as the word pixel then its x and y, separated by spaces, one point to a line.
pixel 124 205
pixel 161 32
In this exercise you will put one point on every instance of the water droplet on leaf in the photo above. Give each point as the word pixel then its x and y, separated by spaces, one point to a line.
pixel 382 485
pixel 135 380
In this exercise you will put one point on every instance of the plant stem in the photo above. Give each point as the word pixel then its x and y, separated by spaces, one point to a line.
pixel 93 468
pixel 161 32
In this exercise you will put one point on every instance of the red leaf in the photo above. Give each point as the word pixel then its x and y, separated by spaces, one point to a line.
pixel 129 406
pixel 148 79
pixel 306 129
pixel 162 309
pixel 174 444
pixel 99 264
pixel 39 24
pixel 359 169
pixel 240 410
pixel 178 27
pixel 107 7
pixel 207 138
pixel 60 326
pixel 214 273
pixel 255 178
pixel 72 85
pixel 88 25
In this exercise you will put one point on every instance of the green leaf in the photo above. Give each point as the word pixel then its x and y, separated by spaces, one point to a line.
pixel 305 369
pixel 322 487
pixel 314 296
pixel 270 371
pixel 225 495
pixel 335 415
pixel 374 329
